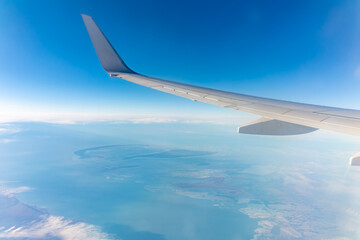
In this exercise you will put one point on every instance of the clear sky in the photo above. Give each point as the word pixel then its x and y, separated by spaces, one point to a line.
pixel 306 51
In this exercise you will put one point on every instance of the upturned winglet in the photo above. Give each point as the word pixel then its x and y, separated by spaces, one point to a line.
pixel 109 58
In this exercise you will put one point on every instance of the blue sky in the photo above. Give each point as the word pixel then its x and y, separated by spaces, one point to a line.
pixel 302 51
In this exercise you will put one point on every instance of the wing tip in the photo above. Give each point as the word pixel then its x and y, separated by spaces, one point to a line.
pixel 109 58
pixel 83 15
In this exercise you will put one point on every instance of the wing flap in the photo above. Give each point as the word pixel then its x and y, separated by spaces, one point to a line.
pixel 306 115
pixel 341 113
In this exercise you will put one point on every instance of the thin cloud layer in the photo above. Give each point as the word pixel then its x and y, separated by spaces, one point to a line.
pixel 54 226
pixel 6 129
pixel 37 223
pixel 11 192
pixel 73 118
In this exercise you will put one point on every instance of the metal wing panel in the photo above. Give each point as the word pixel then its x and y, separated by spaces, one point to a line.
pixel 313 116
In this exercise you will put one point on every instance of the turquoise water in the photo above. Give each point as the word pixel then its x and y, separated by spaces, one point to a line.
pixel 178 181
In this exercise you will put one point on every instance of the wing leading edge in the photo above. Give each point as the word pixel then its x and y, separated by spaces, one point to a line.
pixel 278 117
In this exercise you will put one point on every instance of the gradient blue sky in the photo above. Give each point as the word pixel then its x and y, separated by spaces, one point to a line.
pixel 306 51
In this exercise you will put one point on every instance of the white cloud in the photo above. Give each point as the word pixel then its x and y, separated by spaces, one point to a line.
pixel 54 226
pixel 10 192
pixel 73 118
pixel 204 173
pixel 152 120
pixel 42 224
pixel 7 140
pixel 7 129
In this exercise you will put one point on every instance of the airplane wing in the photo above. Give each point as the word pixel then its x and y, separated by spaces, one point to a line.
pixel 278 117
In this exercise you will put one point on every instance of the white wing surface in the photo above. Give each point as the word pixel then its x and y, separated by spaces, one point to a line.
pixel 278 117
